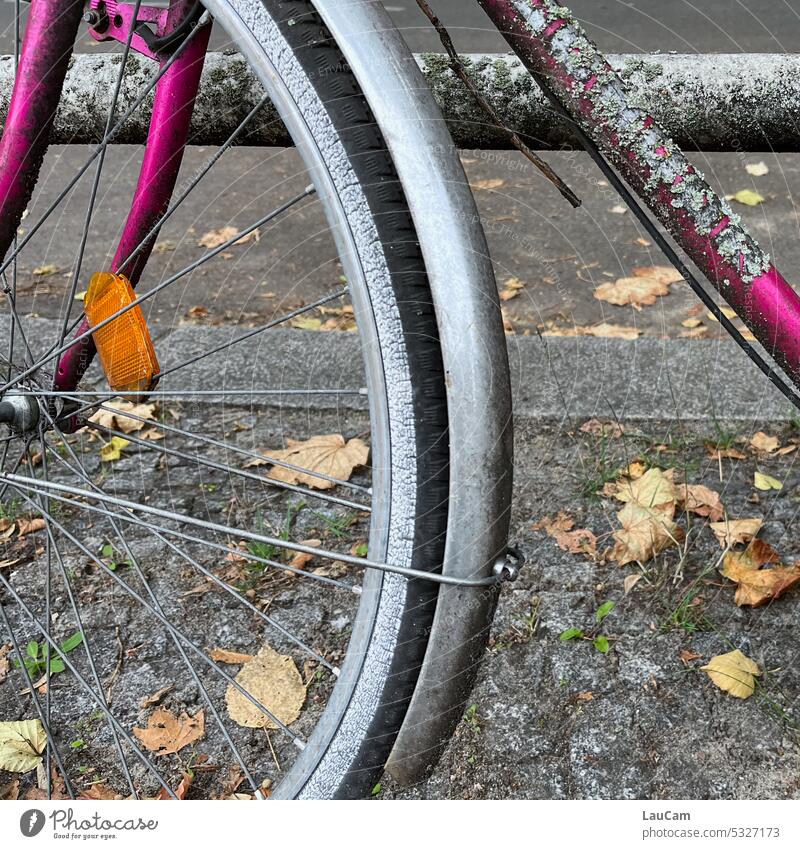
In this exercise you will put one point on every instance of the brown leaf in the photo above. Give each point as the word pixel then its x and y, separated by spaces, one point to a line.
pixel 225 656
pixel 330 455
pixel 757 586
pixel 642 289
pixel 155 698
pixel 9 792
pixel 166 733
pixel 603 427
pixel 30 526
pixel 725 453
pixel 114 417
pixel 631 581
pixel 215 238
pixel 231 782
pixel 699 499
pixel 492 183
pixel 734 531
pixel 512 288
pixel 603 331
pixel 181 790
pixel 301 558
pixel 580 541
pixel 688 657
pixel 5 664
pixel 100 791
pixel 762 442
pixel 273 680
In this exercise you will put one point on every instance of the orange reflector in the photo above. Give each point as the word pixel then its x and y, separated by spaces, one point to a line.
pixel 124 344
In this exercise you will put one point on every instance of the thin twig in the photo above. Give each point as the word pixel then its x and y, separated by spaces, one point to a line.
pixel 460 71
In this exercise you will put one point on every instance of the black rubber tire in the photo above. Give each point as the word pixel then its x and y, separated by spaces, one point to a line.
pixel 348 110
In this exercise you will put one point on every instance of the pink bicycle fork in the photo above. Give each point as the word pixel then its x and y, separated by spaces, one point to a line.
pixel 46 49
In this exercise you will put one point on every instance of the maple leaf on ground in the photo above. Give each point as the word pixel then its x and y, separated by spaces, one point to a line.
pixel 757 586
pixel 644 532
pixel 716 453
pixel 733 531
pixel 560 528
pixel 734 673
pixel 603 427
pixel 114 416
pixel 762 442
pixel 642 289
pixel 166 733
pixel 602 331
pixel 699 499
pixel 653 489
pixel 329 455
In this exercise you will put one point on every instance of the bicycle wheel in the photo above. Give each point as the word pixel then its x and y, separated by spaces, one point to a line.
pixel 176 488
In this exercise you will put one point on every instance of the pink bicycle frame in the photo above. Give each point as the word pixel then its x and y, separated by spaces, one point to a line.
pixel 47 46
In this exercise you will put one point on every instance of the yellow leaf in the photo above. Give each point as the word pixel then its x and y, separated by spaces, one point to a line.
pixel 45 270
pixel 691 323
pixel 273 680
pixel 330 455
pixel 653 489
pixel 748 197
pixel 21 745
pixel 734 673
pixel 726 311
pixel 644 533
pixel 112 451
pixel 765 482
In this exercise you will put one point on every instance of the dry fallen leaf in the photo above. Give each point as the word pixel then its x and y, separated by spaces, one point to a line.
pixel 748 197
pixel 101 792
pixel 330 455
pixel 699 499
pixel 5 649
pixel 166 733
pixel 301 559
pixel 273 680
pixel 725 453
pixel 603 427
pixel 756 169
pixel 642 289
pixel 644 533
pixel 734 531
pixel 765 482
pixel 734 673
pixel 602 331
pixel 45 270
pixel 560 528
pixel 155 698
pixel 691 323
pixel 225 656
pixel 757 586
pixel 631 581
pixel 21 745
pixel 181 790
pixel 30 526
pixel 653 489
pixel 9 792
pixel 688 656
pixel 113 416
pixel 512 288
pixel 112 451
pixel 762 442
pixel 492 183
pixel 215 238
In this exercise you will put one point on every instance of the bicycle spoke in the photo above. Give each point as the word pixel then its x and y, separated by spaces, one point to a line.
pixel 107 139
pixel 296 739
pixel 81 472
pixel 96 181
pixel 195 180
pixel 163 285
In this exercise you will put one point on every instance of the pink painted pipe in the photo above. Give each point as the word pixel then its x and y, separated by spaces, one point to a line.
pixel 552 44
